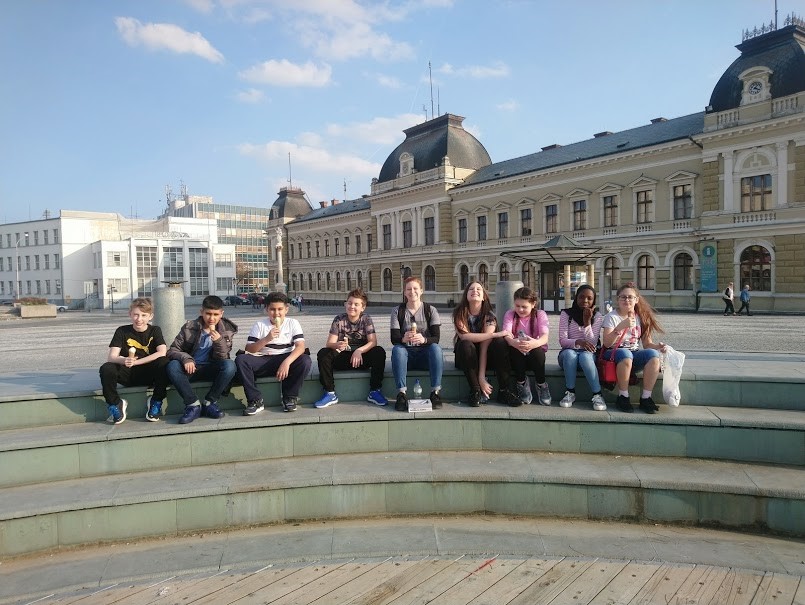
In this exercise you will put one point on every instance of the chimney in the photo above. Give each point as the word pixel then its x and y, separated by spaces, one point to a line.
pixel 603 133
pixel 323 204
pixel 334 202
pixel 658 120
pixel 552 146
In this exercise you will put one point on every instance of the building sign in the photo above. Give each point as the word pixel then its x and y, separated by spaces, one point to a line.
pixel 162 235
pixel 709 269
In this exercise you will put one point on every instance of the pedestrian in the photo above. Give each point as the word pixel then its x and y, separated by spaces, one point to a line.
pixel 728 297
pixel 745 298
pixel 528 343
pixel 631 324
pixel 200 351
pixel 579 329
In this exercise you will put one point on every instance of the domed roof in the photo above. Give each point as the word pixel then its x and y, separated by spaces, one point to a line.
pixel 428 143
pixel 782 51
pixel 291 203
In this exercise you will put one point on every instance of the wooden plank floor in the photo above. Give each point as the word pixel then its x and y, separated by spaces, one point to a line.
pixel 460 581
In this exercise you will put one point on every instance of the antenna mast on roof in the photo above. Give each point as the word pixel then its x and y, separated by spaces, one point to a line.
pixel 430 76
pixel 345 190
pixel 290 178
pixel 775 14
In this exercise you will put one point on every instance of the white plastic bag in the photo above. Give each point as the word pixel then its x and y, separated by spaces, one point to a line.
pixel 673 361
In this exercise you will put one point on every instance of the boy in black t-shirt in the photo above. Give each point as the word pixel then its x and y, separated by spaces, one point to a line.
pixel 136 357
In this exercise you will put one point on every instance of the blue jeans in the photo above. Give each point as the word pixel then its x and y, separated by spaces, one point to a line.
pixel 219 371
pixel 639 358
pixel 571 359
pixel 423 357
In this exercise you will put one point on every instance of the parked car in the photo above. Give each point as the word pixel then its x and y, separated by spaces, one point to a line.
pixel 61 308
pixel 233 300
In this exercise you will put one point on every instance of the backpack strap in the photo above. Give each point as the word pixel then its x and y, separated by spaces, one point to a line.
pixel 401 314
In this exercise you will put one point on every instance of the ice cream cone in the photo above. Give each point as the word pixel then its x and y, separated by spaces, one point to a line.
pixel 132 352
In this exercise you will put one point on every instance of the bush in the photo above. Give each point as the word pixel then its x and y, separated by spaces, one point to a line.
pixel 32 300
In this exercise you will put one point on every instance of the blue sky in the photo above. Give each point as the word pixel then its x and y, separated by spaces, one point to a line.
pixel 105 102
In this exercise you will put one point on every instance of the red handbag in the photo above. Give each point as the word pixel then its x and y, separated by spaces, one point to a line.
pixel 607 368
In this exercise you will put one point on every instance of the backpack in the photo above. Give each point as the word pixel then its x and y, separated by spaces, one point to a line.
pixel 401 314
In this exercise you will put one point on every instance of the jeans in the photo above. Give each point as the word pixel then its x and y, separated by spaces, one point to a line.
pixel 571 359
pixel 423 357
pixel 639 358
pixel 219 371
pixel 251 367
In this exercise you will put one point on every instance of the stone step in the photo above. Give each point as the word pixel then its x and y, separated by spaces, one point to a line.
pixel 125 506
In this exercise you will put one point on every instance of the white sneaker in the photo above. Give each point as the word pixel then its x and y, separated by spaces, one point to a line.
pixel 567 400
pixel 599 405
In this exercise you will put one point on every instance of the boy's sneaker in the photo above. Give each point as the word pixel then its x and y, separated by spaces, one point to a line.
pixel 622 403
pixel 191 412
pixel 401 405
pixel 544 394
pixel 524 392
pixel 648 405
pixel 475 399
pixel 253 408
pixel 210 409
pixel 289 404
pixel 599 405
pixel 326 400
pixel 377 398
pixel 117 413
pixel 153 409
pixel 435 400
pixel 567 400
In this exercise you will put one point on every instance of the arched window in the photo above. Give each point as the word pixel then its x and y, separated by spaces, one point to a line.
pixel 387 279
pixel 338 281
pixel 349 282
pixel 318 282
pixel 310 282
pixel 329 282
pixel 464 280
pixel 430 278
pixel 293 282
pixel 645 272
pixel 360 279
pixel 483 276
pixel 683 272
pixel 756 268
pixel 504 272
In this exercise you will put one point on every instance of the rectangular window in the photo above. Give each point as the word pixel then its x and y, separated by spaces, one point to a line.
pixel 407 234
pixel 117 259
pixel 27 263
pixel 36 238
pixel 645 206
pixel 173 264
pixel 47 286
pixel 308 249
pixel 299 250
pixel 579 215
pixel 55 236
pixel 8 240
pixel 47 261
pixel 503 225
pixel 336 242
pixel 28 286
pixel 318 249
pixel 199 271
pixel 610 211
pixel 386 237
pixel 346 245
pixel 58 286
pixel 223 260
pixel 551 222
pixel 369 249
pixel 36 262
pixel 56 262
pixel 462 230
pixel 118 285
pixel 357 244
pixel 39 286
pixel 683 202
pixel 45 235
pixel 430 231
pixel 146 270
pixel 525 221
pixel 222 284
pixel 756 193
pixel 326 247
pixel 481 228
pixel 1 264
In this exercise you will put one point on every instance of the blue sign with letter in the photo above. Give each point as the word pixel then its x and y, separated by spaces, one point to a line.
pixel 709 269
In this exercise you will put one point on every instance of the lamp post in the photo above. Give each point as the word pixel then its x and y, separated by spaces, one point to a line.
pixel 17 266
pixel 112 290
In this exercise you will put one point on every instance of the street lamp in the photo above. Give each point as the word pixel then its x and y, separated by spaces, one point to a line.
pixel 112 290
pixel 17 266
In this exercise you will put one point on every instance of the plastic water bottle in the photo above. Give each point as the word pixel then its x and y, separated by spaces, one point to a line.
pixel 417 390
pixel 521 338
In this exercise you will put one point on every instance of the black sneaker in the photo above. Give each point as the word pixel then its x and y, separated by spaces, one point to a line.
pixel 622 403
pixel 253 408
pixel 475 399
pixel 435 400
pixel 508 397
pixel 648 405
pixel 401 405
pixel 289 404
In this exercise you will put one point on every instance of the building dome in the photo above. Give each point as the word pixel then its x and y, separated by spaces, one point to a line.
pixel 290 204
pixel 780 52
pixel 427 144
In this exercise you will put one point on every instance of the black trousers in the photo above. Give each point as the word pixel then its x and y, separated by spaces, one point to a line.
pixel 534 360
pixel 497 358
pixel 152 373
pixel 330 360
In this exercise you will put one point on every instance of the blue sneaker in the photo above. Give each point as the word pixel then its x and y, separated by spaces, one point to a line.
pixel 210 409
pixel 327 400
pixel 117 413
pixel 191 412
pixel 377 398
pixel 153 409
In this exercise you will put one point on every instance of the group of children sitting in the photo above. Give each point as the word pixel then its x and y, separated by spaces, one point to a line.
pixel 139 355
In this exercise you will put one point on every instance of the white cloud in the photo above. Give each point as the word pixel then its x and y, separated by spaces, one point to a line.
pixel 165 36
pixel 285 73
pixel 251 95
pixel 352 40
pixel 510 105
pixel 381 131
pixel 202 6
pixel 496 70
pixel 388 81
pixel 317 159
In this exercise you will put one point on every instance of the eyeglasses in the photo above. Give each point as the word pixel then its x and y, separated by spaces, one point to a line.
pixel 627 297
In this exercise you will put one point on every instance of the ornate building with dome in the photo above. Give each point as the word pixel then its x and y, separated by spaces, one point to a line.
pixel 681 206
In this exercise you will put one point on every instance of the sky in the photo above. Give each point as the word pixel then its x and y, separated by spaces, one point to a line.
pixel 104 103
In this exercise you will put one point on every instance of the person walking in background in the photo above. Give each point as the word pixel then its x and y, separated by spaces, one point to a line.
pixel 728 296
pixel 745 298
pixel 477 341
pixel 579 328
pixel 528 342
